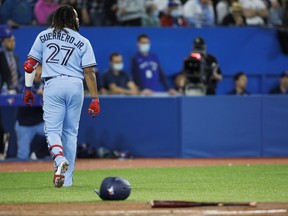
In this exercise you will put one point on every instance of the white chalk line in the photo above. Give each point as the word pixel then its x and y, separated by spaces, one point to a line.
pixel 146 212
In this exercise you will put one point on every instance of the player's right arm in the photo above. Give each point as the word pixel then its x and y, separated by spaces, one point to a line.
pixel 34 58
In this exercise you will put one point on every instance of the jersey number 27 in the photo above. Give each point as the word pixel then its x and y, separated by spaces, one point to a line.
pixel 56 49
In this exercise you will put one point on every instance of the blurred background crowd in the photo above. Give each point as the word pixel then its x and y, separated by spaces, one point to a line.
pixel 153 13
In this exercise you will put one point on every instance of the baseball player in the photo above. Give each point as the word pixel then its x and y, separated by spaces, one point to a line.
pixel 64 55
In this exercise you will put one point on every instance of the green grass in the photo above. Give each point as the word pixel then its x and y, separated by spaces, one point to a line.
pixel 262 183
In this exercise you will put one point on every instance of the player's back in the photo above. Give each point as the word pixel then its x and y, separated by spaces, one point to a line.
pixel 62 52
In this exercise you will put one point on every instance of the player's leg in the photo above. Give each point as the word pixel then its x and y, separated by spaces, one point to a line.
pixel 71 124
pixel 54 112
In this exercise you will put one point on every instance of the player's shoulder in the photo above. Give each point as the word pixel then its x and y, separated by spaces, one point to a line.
pixel 211 57
pixel 77 34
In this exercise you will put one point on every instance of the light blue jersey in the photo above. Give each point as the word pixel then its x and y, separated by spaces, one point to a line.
pixel 62 53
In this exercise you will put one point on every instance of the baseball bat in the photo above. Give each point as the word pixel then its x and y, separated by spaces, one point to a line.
pixel 183 204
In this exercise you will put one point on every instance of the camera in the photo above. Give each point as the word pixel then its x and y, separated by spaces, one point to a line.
pixel 196 72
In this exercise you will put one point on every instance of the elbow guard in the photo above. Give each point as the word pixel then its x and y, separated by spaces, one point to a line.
pixel 30 65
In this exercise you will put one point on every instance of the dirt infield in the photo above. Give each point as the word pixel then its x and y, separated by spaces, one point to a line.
pixel 137 163
pixel 135 209
pixel 132 208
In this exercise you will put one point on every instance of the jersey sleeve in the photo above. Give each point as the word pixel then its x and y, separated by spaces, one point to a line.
pixel 36 51
pixel 88 58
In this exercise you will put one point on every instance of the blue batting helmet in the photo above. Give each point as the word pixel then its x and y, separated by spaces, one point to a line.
pixel 114 188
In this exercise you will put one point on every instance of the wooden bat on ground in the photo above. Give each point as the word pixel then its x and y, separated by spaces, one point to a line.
pixel 183 204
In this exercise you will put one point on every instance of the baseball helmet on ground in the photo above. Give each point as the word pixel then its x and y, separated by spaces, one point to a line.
pixel 114 188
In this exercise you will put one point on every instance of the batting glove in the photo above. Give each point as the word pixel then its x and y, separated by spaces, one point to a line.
pixel 94 107
pixel 28 96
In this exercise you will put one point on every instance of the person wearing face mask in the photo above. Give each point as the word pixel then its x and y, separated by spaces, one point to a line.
pixel 151 18
pixel 199 13
pixel 116 80
pixel 173 16
pixel 146 69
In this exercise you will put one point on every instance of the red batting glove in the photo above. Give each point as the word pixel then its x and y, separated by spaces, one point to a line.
pixel 28 96
pixel 94 107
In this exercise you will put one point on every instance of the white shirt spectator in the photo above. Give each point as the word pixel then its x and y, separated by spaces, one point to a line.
pixel 253 5
pixel 199 13
pixel 130 9
pixel 222 10
pixel 161 4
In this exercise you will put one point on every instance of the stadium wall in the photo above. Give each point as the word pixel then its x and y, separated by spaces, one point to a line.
pixel 185 127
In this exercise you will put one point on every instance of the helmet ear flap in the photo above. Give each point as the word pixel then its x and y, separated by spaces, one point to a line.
pixel 114 188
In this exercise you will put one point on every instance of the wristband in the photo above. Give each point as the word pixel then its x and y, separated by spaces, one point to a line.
pixel 95 100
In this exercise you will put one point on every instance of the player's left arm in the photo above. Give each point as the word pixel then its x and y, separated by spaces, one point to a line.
pixel 91 81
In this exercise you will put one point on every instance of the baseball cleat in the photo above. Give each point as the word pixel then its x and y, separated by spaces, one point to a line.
pixel 59 177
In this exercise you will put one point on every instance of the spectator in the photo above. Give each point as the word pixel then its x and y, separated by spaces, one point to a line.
pixel 116 80
pixel 92 12
pixel 43 10
pixel 9 63
pixel 240 82
pixel 5 32
pixel 285 13
pixel 111 7
pixel 29 121
pixel 223 9
pixel 199 13
pixel 235 18
pixel 151 18
pixel 276 12
pixel 255 11
pixel 173 15
pixel 161 5
pixel 4 140
pixel 282 87
pixel 212 71
pixel 17 12
pixel 130 12
pixel 146 69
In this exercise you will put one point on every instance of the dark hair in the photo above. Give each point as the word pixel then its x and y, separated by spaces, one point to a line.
pixel 199 43
pixel 284 74
pixel 113 55
pixel 238 75
pixel 64 17
pixel 149 9
pixel 142 36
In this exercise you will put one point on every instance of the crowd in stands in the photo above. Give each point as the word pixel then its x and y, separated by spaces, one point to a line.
pixel 152 13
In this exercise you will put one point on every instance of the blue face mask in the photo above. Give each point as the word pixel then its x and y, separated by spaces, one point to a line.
pixel 144 48
pixel 118 67
pixel 175 13
pixel 155 13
